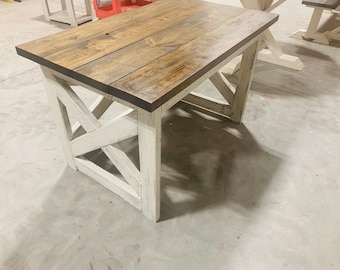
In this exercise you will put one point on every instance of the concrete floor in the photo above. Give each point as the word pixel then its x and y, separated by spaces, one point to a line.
pixel 261 195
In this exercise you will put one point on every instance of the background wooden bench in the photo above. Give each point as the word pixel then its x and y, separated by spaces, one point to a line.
pixel 327 4
pixel 268 50
pixel 313 33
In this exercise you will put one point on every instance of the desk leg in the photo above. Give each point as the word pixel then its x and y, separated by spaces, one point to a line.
pixel 244 81
pixel 149 136
pixel 60 115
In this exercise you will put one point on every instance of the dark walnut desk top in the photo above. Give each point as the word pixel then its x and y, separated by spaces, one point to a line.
pixel 148 55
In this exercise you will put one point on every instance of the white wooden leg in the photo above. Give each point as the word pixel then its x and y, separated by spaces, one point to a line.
pixel 46 10
pixel 244 81
pixel 149 136
pixel 88 7
pixel 312 33
pixel 63 5
pixel 60 115
pixel 314 22
pixel 71 13
pixel 274 54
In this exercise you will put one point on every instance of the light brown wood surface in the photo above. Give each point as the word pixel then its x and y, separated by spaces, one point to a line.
pixel 148 55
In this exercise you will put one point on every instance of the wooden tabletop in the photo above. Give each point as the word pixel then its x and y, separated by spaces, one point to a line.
pixel 147 55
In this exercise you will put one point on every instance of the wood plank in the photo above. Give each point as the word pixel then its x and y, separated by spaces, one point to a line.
pixel 124 165
pixel 53 43
pixel 179 68
pixel 109 181
pixel 112 132
pixel 223 86
pixel 115 65
pixel 75 105
pixel 97 108
pixel 94 48
pixel 208 103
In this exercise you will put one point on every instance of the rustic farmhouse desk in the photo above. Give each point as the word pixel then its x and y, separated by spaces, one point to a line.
pixel 147 59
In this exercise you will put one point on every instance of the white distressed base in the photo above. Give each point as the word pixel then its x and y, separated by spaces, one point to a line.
pixel 138 186
pixel 88 135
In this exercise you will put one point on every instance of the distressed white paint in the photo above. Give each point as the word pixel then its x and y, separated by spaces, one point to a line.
pixel 109 181
pixel 112 132
pixel 244 81
pixel 149 136
pixel 207 103
pixel 223 86
pixel 59 114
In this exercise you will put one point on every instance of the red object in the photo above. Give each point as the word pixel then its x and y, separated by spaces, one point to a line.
pixel 117 6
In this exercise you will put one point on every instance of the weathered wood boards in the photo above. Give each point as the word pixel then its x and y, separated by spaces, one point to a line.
pixel 159 48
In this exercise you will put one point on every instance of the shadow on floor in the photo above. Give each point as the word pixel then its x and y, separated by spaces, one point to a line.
pixel 60 25
pixel 210 163
pixel 274 80
pixel 207 164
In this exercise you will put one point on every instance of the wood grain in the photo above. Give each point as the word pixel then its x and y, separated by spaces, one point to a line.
pixel 148 55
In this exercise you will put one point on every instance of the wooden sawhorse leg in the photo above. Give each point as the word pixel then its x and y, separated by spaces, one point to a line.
pixel 269 50
pixel 88 135
pixel 141 188
pixel 312 33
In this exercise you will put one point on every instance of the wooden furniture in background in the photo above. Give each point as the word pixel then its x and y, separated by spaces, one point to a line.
pixel 68 14
pixel 147 59
pixel 269 50
pixel 312 33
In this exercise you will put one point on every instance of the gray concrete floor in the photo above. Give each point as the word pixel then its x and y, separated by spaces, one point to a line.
pixel 261 195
